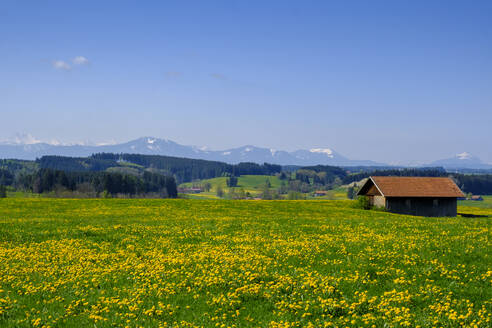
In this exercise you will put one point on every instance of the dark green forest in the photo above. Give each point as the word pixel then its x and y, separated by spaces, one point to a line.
pixel 182 169
pixel 414 172
pixel 48 180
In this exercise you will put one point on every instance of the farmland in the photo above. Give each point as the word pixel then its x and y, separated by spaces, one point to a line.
pixel 215 263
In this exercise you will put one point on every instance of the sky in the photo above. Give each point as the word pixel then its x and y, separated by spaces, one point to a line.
pixel 391 81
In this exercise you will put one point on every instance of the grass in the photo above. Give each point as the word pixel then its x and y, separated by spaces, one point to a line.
pixel 208 263
pixel 250 183
pixel 22 194
pixel 486 203
pixel 202 195
pixel 256 181
pixel 254 184
pixel 339 193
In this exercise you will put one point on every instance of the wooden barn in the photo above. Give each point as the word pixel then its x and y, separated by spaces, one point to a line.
pixel 413 195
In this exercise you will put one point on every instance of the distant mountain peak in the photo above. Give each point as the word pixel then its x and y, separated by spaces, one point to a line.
pixel 464 156
pixel 21 139
pixel 461 161
pixel 326 151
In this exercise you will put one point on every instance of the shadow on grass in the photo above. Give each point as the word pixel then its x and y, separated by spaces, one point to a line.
pixel 473 215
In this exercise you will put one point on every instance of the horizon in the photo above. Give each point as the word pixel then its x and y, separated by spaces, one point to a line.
pixel 382 81
pixel 28 139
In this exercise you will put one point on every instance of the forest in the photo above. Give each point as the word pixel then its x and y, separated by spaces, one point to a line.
pixel 97 183
pixel 182 169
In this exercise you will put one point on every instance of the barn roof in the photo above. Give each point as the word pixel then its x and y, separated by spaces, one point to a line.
pixel 413 187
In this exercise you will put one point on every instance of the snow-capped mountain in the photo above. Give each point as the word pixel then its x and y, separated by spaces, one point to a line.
pixel 299 157
pixel 462 160
pixel 156 146
pixel 29 148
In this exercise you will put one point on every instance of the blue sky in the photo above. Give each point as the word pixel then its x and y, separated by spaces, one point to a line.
pixel 393 81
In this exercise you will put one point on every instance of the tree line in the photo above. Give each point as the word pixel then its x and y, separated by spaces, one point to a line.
pixel 183 169
pixel 109 183
pixel 478 184
pixel 413 172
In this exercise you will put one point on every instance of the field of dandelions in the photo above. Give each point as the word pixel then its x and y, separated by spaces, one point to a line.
pixel 194 263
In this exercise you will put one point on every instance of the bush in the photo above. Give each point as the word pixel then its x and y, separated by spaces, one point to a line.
pixel 363 203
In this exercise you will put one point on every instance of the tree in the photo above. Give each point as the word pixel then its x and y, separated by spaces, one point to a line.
pixel 219 191
pixel 267 193
pixel 236 193
pixel 206 186
pixel 3 191
pixel 352 192
pixel 293 195
pixel 283 189
pixel 232 181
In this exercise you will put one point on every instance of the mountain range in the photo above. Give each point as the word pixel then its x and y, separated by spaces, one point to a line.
pixel 32 149
pixel 462 161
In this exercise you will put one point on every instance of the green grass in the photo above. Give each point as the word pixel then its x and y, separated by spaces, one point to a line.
pixel 130 164
pixel 486 203
pixel 257 181
pixel 124 170
pixel 250 183
pixel 22 194
pixel 202 195
pixel 339 193
pixel 211 263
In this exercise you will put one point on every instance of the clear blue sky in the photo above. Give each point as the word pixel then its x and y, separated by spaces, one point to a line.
pixel 391 81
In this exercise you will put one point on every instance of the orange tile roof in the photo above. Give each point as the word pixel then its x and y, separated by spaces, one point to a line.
pixel 417 187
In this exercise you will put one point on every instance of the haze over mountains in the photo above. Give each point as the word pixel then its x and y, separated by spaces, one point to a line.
pixel 462 160
pixel 30 148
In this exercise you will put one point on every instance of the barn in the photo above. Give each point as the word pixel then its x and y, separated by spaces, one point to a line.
pixel 423 196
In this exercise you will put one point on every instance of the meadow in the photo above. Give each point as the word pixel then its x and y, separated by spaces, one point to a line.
pixel 216 263
pixel 485 203
pixel 249 183
pixel 253 184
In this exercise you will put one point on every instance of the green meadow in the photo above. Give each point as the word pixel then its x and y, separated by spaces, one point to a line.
pixel 216 263
pixel 485 203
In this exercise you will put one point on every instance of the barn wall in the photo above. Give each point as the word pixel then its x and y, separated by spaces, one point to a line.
pixel 422 206
pixel 379 201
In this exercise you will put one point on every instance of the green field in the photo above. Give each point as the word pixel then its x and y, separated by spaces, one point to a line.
pixel 211 263
pixel 486 203
pixel 250 183
pixel 254 185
